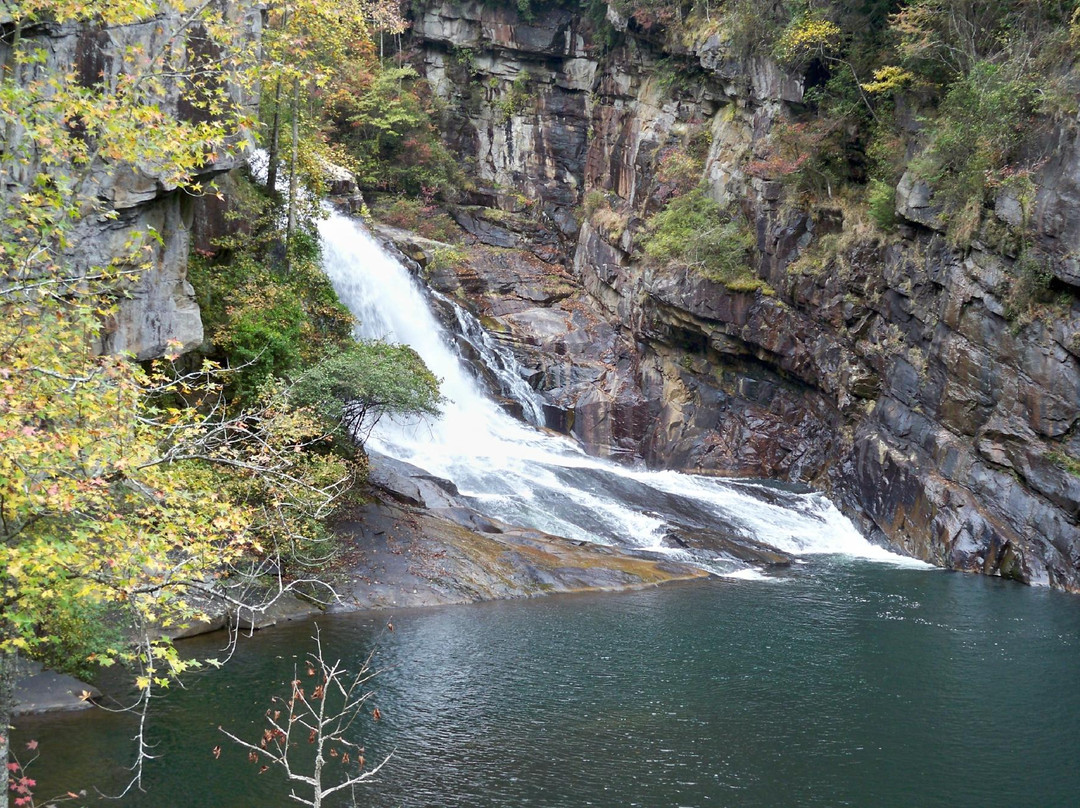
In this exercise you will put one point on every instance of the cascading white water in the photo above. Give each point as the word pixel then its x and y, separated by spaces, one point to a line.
pixel 528 477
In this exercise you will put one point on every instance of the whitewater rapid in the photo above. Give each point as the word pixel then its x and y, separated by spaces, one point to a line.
pixel 520 474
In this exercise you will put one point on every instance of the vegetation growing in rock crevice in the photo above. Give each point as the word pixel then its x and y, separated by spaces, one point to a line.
pixel 267 307
pixel 960 95
pixel 693 231
pixel 517 97
pixel 422 216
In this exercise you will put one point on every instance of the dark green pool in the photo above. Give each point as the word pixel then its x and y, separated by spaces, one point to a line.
pixel 844 684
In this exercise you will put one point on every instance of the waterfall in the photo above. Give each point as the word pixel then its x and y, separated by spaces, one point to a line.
pixel 522 475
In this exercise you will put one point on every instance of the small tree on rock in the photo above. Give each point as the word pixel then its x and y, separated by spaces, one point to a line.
pixel 355 387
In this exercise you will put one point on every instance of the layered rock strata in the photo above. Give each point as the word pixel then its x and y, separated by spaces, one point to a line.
pixel 886 369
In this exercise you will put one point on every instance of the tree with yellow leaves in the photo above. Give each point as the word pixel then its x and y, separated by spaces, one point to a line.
pixel 109 504
pixel 142 493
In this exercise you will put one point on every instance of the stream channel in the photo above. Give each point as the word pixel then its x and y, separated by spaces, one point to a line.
pixel 853 678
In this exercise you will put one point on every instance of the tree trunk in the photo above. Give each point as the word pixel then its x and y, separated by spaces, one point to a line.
pixel 275 138
pixel 292 167
pixel 8 77
pixel 8 667
pixel 316 797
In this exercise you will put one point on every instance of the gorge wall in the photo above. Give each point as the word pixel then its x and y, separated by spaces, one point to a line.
pixel 137 207
pixel 882 367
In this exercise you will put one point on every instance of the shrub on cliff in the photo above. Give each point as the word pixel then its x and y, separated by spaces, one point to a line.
pixel 986 77
pixel 693 231
pixel 978 131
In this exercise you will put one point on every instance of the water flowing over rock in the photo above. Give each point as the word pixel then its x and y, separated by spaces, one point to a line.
pixel 890 376
pixel 477 469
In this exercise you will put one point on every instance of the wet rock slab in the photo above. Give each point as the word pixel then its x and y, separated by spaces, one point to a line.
pixel 397 555
pixel 418 544
pixel 727 545
pixel 42 691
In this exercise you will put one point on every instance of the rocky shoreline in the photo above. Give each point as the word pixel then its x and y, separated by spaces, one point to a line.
pixel 414 544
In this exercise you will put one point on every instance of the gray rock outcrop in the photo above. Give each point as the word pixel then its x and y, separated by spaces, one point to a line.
pixel 156 306
pixel 889 370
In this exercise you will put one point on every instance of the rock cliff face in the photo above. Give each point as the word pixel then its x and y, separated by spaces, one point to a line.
pixel 886 370
pixel 159 306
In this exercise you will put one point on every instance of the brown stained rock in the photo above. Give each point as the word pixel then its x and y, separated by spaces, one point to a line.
pixel 893 371
pixel 404 556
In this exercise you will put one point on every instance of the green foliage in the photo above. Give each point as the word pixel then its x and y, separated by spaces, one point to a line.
pixel 95 513
pixel 673 76
pixel 977 133
pixel 131 494
pixel 605 35
pixel 693 231
pixel 264 314
pixel 465 57
pixel 881 199
pixel 418 216
pixel 1032 276
pixel 517 99
pixel 1069 464
pixel 81 632
pixel 524 7
pixel 263 335
pixel 384 117
pixel 355 386
pixel 593 201
pixel 446 257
